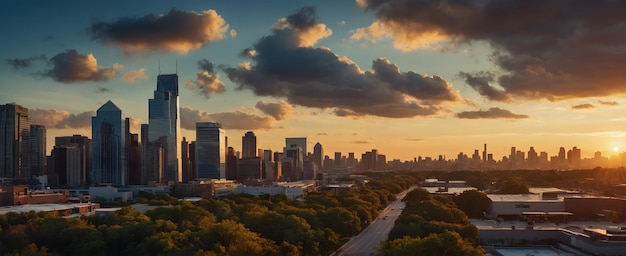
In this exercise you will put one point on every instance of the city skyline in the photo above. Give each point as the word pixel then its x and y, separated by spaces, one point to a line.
pixel 348 75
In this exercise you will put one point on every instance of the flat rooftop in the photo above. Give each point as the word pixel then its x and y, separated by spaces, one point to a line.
pixel 41 207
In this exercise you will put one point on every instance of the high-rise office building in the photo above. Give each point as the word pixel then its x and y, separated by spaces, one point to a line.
pixel 68 165
pixel 164 127
pixel 318 155
pixel 37 150
pixel 184 157
pixel 108 140
pixel 210 151
pixel 248 145
pixel 83 144
pixel 14 141
pixel 301 142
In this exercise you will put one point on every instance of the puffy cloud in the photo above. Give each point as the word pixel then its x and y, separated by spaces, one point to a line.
pixel 133 75
pixel 583 106
pixel 551 50
pixel 284 65
pixel 175 31
pixel 279 110
pixel 405 39
pixel 25 62
pixel 58 119
pixel 237 120
pixel 207 82
pixel 480 82
pixel 71 66
pixel 233 33
pixel 608 103
pixel 491 113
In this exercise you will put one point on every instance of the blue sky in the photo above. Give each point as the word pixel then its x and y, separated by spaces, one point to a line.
pixel 418 79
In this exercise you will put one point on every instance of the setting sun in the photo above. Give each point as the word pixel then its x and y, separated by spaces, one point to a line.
pixel 615 149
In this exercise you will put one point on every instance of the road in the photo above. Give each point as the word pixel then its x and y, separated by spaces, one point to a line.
pixel 363 244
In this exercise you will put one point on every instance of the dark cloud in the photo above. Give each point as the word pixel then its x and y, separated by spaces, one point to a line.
pixel 480 82
pixel 583 106
pixel 491 113
pixel 414 139
pixel 175 31
pixel 230 120
pixel 279 110
pixel 285 65
pixel 207 82
pixel 71 66
pixel 24 63
pixel 608 103
pixel 58 119
pixel 102 89
pixel 361 142
pixel 551 50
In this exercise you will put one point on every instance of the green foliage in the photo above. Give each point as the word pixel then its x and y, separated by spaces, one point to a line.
pixel 473 203
pixel 513 186
pixel 444 243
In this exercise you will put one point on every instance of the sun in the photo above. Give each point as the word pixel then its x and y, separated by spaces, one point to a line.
pixel 615 149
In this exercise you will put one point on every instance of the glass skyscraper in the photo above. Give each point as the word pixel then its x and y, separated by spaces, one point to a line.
pixel 14 141
pixel 108 140
pixel 37 149
pixel 164 127
pixel 210 151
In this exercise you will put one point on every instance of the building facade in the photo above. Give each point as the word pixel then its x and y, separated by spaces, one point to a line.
pixel 109 162
pixel 37 150
pixel 164 129
pixel 210 151
pixel 14 142
pixel 248 145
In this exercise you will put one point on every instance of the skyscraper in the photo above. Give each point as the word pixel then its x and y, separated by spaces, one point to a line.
pixel 248 145
pixel 14 141
pixel 108 163
pixel 37 149
pixel 301 142
pixel 210 151
pixel 164 126
pixel 318 155
pixel 82 143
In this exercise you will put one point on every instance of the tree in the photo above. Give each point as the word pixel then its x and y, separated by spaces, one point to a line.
pixel 513 186
pixel 446 243
pixel 473 203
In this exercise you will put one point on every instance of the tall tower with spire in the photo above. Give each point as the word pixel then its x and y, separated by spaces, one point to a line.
pixel 164 127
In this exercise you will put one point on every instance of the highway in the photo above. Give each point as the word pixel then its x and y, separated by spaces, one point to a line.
pixel 365 242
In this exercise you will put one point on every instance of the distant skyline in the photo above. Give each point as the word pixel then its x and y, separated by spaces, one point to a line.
pixel 408 78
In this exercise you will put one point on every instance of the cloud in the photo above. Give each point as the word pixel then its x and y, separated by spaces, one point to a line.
pixel 237 120
pixel 175 31
pixel 322 134
pixel 608 103
pixel 102 89
pixel 285 65
pixel 583 106
pixel 58 119
pixel 279 110
pixel 361 142
pixel 207 82
pixel 480 82
pixel 491 113
pixel 341 23
pixel 232 33
pixel 71 67
pixel 133 75
pixel 414 139
pixel 553 50
pixel 24 63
